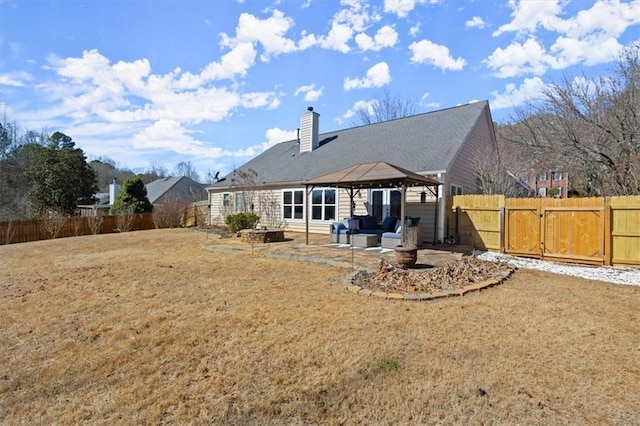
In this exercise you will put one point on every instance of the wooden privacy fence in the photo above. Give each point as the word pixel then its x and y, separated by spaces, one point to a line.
pixel 585 230
pixel 35 230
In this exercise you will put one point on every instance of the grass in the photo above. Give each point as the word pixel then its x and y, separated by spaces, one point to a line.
pixel 149 327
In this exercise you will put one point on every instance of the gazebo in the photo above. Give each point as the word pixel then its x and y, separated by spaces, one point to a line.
pixel 373 175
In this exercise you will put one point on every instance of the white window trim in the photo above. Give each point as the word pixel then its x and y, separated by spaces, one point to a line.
pixel 228 199
pixel 454 188
pixel 323 205
pixel 293 205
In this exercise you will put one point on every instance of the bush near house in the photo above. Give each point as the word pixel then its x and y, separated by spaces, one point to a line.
pixel 239 221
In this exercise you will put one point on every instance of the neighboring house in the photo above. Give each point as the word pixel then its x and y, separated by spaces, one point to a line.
pixel 104 201
pixel 542 180
pixel 171 189
pixel 439 144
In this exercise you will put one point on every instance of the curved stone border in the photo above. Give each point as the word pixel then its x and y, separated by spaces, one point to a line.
pixel 356 289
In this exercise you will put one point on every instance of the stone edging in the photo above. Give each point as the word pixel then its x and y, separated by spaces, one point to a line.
pixel 356 289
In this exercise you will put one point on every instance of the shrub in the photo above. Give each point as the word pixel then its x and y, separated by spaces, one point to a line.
pixel 239 221
pixel 170 215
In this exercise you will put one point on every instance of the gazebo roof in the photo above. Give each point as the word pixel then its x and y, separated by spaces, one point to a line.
pixel 372 175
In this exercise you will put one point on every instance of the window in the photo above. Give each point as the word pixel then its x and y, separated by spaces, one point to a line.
pixel 226 199
pixel 456 189
pixel 542 192
pixel 557 176
pixel 542 177
pixel 560 192
pixel 241 205
pixel 293 204
pixel 323 204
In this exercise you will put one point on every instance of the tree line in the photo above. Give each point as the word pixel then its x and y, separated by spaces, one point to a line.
pixel 42 171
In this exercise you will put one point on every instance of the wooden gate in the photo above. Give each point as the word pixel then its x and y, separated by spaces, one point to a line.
pixel 569 230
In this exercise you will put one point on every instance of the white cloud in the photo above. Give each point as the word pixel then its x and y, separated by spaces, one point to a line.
pixel 475 22
pixel 384 37
pixel 128 91
pixel 376 76
pixel 403 7
pixel 423 101
pixel 589 37
pixel 311 93
pixel 269 32
pixel 16 79
pixel 415 30
pixel 528 15
pixel 513 96
pixel 338 38
pixel 357 106
pixel 425 51
pixel 169 135
pixel 517 59
pixel 356 17
pixel 274 136
pixel 590 51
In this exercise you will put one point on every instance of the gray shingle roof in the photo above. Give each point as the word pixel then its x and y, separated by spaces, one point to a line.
pixel 187 192
pixel 421 143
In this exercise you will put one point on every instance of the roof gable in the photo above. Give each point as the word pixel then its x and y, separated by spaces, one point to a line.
pixel 185 188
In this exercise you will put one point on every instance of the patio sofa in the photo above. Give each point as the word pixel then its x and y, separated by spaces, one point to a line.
pixel 340 231
pixel 392 239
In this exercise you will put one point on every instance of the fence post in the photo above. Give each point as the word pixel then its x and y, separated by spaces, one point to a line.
pixel 608 255
pixel 501 229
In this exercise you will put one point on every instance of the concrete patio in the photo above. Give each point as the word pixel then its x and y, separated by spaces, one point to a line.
pixel 319 250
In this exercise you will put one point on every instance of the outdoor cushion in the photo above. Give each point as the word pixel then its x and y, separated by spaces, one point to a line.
pixel 368 222
pixel 389 223
pixel 395 235
pixel 338 226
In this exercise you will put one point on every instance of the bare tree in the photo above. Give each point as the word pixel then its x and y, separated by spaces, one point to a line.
pixel 94 221
pixel 591 127
pixel 249 197
pixel 53 221
pixel 494 176
pixel 385 107
pixel 126 213
pixel 185 168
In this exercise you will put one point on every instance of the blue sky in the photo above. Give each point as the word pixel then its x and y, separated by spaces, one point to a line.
pixel 218 82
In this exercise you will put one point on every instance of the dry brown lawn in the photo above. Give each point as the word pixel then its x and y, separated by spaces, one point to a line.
pixel 149 327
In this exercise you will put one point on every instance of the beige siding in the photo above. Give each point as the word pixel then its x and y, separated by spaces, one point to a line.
pixel 414 208
pixel 462 170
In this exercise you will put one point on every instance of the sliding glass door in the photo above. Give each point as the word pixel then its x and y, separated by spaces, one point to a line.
pixel 385 202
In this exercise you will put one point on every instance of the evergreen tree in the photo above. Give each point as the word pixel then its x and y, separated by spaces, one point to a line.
pixel 132 193
pixel 60 177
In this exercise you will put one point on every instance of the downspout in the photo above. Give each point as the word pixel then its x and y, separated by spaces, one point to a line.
pixel 306 213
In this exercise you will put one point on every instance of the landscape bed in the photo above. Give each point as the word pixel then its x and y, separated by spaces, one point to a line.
pixel 150 327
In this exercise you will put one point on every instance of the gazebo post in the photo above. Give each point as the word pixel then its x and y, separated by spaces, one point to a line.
pixel 403 213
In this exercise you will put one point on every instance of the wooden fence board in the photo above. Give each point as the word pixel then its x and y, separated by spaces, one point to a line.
pixel 34 230
pixel 479 217
pixel 585 230
pixel 625 230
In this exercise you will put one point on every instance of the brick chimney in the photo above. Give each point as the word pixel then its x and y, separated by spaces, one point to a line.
pixel 309 130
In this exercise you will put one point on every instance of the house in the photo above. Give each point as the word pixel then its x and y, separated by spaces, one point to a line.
pixel 541 181
pixel 104 201
pixel 439 144
pixel 171 189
